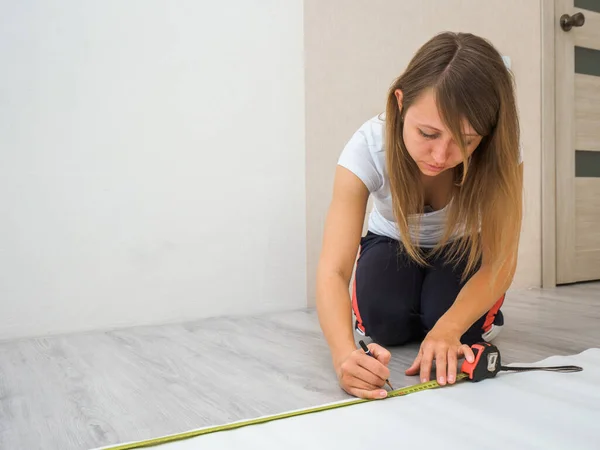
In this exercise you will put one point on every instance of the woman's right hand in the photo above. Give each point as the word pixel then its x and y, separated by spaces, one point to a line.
pixel 363 376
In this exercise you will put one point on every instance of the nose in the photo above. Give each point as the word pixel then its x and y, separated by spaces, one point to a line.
pixel 440 152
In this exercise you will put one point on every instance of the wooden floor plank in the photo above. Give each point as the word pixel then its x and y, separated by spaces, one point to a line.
pixel 89 390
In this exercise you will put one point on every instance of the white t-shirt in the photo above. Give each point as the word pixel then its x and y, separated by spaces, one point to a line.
pixel 364 156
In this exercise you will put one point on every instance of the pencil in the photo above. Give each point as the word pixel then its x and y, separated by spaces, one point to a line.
pixel 368 352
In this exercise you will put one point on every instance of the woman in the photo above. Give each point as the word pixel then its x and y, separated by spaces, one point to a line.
pixel 443 168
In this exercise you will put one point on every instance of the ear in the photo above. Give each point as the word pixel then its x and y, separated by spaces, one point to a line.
pixel 399 96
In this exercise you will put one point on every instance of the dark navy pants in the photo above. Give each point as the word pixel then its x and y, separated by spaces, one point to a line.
pixel 396 301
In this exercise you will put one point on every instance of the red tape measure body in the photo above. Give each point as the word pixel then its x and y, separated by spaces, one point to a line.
pixel 486 364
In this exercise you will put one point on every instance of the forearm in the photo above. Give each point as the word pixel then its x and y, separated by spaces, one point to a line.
pixel 476 298
pixel 335 314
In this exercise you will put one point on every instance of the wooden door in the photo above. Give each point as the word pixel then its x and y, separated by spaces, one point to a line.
pixel 577 121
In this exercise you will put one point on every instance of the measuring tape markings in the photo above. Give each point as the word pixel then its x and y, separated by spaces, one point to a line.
pixel 243 423
pixel 487 364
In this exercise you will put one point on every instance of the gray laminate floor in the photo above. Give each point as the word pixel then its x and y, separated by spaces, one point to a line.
pixel 88 390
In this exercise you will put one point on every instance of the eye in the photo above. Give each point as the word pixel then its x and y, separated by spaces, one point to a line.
pixel 427 136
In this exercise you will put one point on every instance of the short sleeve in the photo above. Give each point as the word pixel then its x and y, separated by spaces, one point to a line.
pixel 358 159
pixel 520 153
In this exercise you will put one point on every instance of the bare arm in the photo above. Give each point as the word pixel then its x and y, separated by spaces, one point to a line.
pixel 477 296
pixel 358 374
pixel 343 229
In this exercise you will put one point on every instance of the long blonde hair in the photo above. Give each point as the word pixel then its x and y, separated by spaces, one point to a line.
pixel 470 81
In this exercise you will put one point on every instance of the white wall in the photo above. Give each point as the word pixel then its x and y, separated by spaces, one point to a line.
pixel 152 162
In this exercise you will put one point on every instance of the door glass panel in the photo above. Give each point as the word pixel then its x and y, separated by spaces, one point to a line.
pixel 587 61
pixel 590 5
pixel 587 164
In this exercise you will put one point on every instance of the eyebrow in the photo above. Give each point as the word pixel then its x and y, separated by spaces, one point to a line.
pixel 439 131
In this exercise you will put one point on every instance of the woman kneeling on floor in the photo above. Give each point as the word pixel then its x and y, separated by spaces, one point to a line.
pixel 443 168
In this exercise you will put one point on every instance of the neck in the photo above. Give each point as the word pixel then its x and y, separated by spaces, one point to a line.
pixel 444 179
pixel 437 190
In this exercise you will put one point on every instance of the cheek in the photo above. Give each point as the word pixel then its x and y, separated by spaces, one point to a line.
pixel 456 156
pixel 416 146
pixel 455 159
pixel 417 150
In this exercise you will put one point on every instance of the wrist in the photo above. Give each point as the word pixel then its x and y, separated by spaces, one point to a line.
pixel 341 352
pixel 448 326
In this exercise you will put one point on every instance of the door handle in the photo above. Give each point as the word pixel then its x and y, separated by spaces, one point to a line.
pixel 567 22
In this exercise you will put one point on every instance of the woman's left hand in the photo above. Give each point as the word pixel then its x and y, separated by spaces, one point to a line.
pixel 445 348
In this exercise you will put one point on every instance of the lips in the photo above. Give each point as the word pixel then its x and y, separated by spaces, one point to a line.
pixel 434 168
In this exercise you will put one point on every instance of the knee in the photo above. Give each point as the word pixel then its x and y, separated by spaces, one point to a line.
pixel 387 328
pixel 390 337
pixel 429 318
pixel 439 294
pixel 384 294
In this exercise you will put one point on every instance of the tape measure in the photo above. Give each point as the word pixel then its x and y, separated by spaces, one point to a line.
pixel 234 425
pixel 487 364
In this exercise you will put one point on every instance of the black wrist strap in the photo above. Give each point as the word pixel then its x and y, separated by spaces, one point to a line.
pixel 548 369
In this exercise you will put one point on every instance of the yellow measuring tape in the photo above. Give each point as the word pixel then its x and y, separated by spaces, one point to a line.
pixel 244 423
